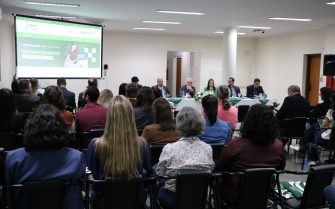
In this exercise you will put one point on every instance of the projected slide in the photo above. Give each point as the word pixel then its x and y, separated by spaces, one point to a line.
pixel 51 49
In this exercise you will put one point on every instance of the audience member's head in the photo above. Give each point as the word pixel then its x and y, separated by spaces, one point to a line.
pixel 15 86
pixel 54 96
pixel 189 122
pixel 122 89
pixel 105 97
pixel 119 148
pixel 61 82
pixel 92 82
pixel 164 114
pixel 257 82
pixel 145 97
pixel 25 86
pixel 325 94
pixel 231 81
pixel 135 80
pixel 34 85
pixel 7 106
pixel 210 107
pixel 293 89
pixel 92 94
pixel 131 90
pixel 260 125
pixel 223 93
pixel 45 129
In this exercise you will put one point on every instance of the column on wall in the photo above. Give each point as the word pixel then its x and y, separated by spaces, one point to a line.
pixel 229 53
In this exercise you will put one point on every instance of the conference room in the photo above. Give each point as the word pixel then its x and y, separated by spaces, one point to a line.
pixel 281 43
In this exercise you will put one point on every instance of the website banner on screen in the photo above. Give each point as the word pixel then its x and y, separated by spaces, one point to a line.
pixel 51 49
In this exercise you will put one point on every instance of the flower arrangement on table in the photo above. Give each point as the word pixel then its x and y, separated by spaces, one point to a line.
pixel 201 94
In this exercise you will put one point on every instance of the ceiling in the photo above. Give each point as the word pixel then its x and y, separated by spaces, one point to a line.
pixel 117 15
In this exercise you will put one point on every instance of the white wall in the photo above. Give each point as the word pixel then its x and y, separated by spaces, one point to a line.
pixel 280 60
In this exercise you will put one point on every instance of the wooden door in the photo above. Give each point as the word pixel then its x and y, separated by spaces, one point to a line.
pixel 178 76
pixel 312 78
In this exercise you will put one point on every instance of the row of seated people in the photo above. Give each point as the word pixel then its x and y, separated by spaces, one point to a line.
pixel 120 152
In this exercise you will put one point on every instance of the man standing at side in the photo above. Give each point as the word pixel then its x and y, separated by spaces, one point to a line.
pixel 254 90
pixel 234 90
pixel 69 96
pixel 188 89
pixel 160 90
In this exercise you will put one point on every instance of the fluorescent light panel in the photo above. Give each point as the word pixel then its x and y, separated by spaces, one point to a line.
pixel 148 28
pixel 51 4
pixel 56 16
pixel 255 27
pixel 331 3
pixel 221 32
pixel 160 22
pixel 290 19
pixel 180 12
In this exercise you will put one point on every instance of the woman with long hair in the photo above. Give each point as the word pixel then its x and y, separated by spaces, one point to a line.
pixel 144 112
pixel 163 131
pixel 210 87
pixel 226 111
pixel 105 97
pixel 119 152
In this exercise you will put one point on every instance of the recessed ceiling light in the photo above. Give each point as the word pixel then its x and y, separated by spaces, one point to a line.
pixel 180 12
pixel 255 27
pixel 160 22
pixel 148 28
pixel 221 32
pixel 51 4
pixel 331 3
pixel 290 19
pixel 55 16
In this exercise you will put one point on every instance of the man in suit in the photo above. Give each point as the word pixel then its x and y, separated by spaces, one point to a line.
pixel 234 90
pixel 69 96
pixel 160 90
pixel 188 89
pixel 255 89
pixel 81 99
pixel 25 100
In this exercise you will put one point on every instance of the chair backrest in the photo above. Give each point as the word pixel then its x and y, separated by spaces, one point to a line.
pixel 156 151
pixel 191 189
pixel 39 194
pixel 217 149
pixel 255 188
pixel 242 112
pixel 96 133
pixel 331 143
pixel 318 178
pixel 11 140
pixel 123 193
pixel 297 127
pixel 84 138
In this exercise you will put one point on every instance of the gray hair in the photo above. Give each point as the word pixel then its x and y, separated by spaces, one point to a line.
pixel 189 122
pixel 294 89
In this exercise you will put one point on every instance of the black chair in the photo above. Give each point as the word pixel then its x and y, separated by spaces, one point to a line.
pixel 318 178
pixel 11 140
pixel 254 188
pixel 38 194
pixel 121 193
pixel 242 112
pixel 156 151
pixel 217 149
pixel 191 189
pixel 84 138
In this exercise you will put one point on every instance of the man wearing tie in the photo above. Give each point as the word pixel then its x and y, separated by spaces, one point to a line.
pixel 234 90
pixel 254 90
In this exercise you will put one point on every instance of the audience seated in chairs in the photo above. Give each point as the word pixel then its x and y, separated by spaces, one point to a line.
pixel 25 101
pixel 144 112
pixel 119 152
pixel 54 96
pixel 10 120
pixel 226 111
pixel 318 136
pixel 188 153
pixel 258 148
pixel 46 157
pixel 216 130
pixel 131 93
pixel 163 131
pixel 105 97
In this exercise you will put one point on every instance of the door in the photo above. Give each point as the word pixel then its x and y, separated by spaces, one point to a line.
pixel 178 76
pixel 313 78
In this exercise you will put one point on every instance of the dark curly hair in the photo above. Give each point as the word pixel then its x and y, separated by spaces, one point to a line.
pixel 45 129
pixel 53 95
pixel 145 97
pixel 260 125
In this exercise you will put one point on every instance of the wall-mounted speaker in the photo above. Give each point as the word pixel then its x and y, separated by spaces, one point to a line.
pixel 105 67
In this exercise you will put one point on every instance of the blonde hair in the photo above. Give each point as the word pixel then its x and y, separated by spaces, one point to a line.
pixel 105 97
pixel 119 147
